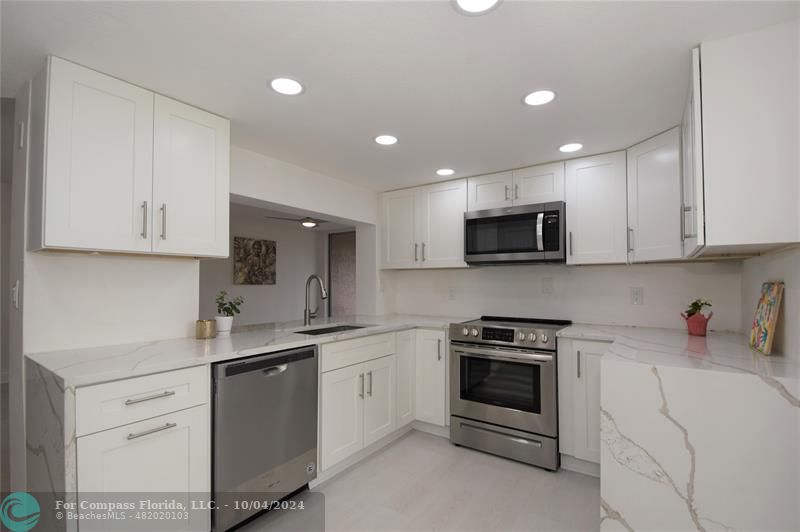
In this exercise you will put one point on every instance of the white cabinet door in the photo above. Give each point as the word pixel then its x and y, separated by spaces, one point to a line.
pixel 406 362
pixel 539 184
pixel 169 453
pixel 490 191
pixel 399 248
pixel 694 233
pixel 586 433
pixel 654 198
pixel 431 358
pixel 97 189
pixel 342 416
pixel 380 409
pixel 191 171
pixel 439 211
pixel 596 209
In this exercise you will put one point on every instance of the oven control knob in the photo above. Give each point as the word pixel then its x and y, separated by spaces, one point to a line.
pixel 520 336
pixel 474 332
pixel 532 337
pixel 465 331
pixel 544 338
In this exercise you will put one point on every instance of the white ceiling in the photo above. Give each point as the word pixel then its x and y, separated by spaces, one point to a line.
pixel 449 86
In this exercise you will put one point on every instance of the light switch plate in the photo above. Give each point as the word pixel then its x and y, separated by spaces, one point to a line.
pixel 637 295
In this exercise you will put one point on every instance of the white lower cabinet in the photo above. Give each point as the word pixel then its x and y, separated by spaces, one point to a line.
pixel 168 453
pixel 406 376
pixel 430 382
pixel 358 408
pixel 579 397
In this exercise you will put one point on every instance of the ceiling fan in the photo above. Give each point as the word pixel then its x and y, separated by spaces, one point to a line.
pixel 306 222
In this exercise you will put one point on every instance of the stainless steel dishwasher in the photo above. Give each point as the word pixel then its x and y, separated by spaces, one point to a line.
pixel 265 431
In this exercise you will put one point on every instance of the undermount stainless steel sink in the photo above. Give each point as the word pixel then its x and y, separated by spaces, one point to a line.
pixel 329 330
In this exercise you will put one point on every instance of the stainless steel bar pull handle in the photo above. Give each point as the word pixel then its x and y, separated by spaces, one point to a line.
pixel 361 379
pixel 630 238
pixel 579 363
pixel 507 188
pixel 275 370
pixel 439 349
pixel 133 436
pixel 570 243
pixel 516 191
pixel 369 392
pixel 416 252
pixel 423 252
pixel 163 221
pixel 21 141
pixel 540 232
pixel 161 395
pixel 144 219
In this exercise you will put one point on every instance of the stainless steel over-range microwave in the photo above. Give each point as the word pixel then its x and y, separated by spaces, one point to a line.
pixel 525 233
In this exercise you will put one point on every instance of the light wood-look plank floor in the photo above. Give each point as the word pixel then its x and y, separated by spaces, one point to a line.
pixel 422 482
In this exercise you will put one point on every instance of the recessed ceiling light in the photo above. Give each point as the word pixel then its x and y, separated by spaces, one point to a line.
pixel 475 7
pixel 540 97
pixel 308 222
pixel 445 171
pixel 386 140
pixel 286 86
pixel 572 146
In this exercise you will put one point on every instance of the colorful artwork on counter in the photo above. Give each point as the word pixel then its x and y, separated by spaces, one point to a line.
pixel 766 318
pixel 253 261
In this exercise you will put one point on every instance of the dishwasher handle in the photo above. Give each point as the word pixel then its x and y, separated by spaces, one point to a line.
pixel 269 363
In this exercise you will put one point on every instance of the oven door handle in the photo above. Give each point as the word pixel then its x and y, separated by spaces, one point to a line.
pixel 532 358
pixel 540 232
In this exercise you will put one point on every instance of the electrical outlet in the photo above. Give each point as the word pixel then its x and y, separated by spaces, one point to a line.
pixel 547 285
pixel 637 295
pixel 451 293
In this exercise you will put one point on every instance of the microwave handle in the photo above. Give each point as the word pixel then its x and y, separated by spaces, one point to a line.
pixel 539 232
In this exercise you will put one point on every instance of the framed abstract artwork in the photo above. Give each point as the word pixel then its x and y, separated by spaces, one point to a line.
pixel 253 261
pixel 766 318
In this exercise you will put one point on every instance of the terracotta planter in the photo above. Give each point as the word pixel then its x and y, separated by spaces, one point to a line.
pixel 697 323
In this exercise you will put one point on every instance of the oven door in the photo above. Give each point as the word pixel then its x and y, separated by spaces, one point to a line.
pixel 527 233
pixel 507 387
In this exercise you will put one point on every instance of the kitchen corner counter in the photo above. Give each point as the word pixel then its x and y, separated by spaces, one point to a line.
pixel 696 433
pixel 93 365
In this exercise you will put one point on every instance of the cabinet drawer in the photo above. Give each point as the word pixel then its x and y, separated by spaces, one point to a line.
pixel 340 354
pixel 113 404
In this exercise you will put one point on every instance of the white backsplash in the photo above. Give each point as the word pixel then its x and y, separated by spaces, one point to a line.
pixel 590 294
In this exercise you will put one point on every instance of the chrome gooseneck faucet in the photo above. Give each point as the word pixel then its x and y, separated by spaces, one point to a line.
pixel 308 313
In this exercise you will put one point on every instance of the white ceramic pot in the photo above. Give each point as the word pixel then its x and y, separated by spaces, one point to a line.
pixel 224 324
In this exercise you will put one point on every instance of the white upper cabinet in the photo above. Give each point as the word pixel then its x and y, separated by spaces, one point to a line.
pixel 440 224
pixel 491 191
pixel 97 186
pixel 535 184
pixel 750 139
pixel 190 180
pixel 694 233
pixel 654 198
pixel 538 184
pixel 424 227
pixel 400 250
pixel 596 209
pixel 118 168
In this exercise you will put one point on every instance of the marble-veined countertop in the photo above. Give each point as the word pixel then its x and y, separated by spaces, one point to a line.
pixel 719 351
pixel 93 365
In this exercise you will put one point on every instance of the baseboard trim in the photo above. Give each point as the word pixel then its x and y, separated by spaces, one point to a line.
pixel 436 430
pixel 570 463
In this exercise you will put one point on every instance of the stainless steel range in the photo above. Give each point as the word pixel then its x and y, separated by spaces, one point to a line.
pixel 504 388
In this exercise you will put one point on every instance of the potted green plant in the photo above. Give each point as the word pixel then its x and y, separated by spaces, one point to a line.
pixel 227 309
pixel 697 316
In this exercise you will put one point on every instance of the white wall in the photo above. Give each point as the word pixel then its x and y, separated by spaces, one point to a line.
pixel 297 258
pixel 257 176
pixel 593 294
pixel 783 266
pixel 82 300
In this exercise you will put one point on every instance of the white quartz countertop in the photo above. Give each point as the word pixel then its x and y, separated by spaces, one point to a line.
pixel 719 351
pixel 81 367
